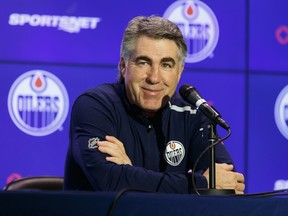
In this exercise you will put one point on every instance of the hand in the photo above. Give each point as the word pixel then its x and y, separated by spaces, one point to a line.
pixel 226 178
pixel 115 148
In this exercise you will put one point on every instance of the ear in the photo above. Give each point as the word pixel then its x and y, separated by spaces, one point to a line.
pixel 122 66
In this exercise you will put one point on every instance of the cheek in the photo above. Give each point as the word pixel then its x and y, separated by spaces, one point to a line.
pixel 171 79
pixel 133 75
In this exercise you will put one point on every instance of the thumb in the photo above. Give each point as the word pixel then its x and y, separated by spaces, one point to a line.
pixel 227 167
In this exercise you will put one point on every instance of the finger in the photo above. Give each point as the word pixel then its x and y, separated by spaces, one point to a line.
pixel 116 146
pixel 115 141
pixel 240 189
pixel 240 177
pixel 107 144
pixel 228 167
pixel 109 149
pixel 239 192
pixel 224 166
pixel 105 149
pixel 113 159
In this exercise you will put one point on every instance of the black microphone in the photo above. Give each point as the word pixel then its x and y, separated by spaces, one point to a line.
pixel 191 95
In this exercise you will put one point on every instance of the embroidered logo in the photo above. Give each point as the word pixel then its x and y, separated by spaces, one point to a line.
pixel 93 143
pixel 174 153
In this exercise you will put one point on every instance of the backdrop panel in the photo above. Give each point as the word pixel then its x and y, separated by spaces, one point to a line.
pixel 267 154
pixel 23 154
pixel 268 36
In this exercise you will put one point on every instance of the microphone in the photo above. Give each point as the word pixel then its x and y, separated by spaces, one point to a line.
pixel 192 96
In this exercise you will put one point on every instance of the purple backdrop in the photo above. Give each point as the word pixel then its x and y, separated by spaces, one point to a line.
pixel 76 44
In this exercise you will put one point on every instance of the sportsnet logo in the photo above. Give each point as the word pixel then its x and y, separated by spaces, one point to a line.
pixel 69 24
pixel 38 103
pixel 198 25
pixel 281 112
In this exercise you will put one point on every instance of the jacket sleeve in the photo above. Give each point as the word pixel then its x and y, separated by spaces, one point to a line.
pixel 91 120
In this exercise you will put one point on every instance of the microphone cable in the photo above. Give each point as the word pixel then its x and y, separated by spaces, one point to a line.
pixel 119 195
pixel 200 156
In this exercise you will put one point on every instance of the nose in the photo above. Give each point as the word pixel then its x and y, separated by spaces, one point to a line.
pixel 154 76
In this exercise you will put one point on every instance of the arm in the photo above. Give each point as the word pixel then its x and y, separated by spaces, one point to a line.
pixel 117 154
pixel 226 177
pixel 91 118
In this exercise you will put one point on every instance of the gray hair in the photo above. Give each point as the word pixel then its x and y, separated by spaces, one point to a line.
pixel 155 27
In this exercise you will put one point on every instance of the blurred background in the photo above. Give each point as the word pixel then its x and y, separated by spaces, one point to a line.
pixel 52 51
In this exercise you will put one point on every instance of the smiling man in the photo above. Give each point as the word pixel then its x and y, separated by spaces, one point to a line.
pixel 151 73
pixel 139 133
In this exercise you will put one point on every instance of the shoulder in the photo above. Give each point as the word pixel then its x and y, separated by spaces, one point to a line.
pixel 104 92
pixel 102 96
pixel 109 90
pixel 185 112
pixel 179 105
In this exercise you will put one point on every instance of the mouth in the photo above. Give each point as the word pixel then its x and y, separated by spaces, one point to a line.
pixel 151 92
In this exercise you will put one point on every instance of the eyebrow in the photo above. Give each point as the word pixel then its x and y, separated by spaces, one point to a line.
pixel 146 58
pixel 168 59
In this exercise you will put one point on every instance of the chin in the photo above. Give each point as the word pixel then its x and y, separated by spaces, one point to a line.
pixel 150 105
pixel 151 108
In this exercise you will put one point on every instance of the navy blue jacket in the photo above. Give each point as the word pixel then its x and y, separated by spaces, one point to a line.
pixel 162 150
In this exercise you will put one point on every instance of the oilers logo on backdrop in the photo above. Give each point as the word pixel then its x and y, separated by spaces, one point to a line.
pixel 281 112
pixel 38 103
pixel 281 34
pixel 174 153
pixel 198 25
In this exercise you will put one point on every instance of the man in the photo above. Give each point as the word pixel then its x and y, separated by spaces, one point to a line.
pixel 138 133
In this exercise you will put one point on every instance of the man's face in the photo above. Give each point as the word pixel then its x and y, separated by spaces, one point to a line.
pixel 152 73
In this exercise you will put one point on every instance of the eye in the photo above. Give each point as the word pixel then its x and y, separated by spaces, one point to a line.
pixel 166 65
pixel 142 62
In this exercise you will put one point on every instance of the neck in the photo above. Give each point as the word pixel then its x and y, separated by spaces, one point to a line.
pixel 149 114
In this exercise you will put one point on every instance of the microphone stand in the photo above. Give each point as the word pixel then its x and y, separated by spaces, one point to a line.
pixel 212 171
pixel 212 138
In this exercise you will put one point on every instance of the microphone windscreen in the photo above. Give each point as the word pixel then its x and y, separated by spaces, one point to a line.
pixel 183 91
